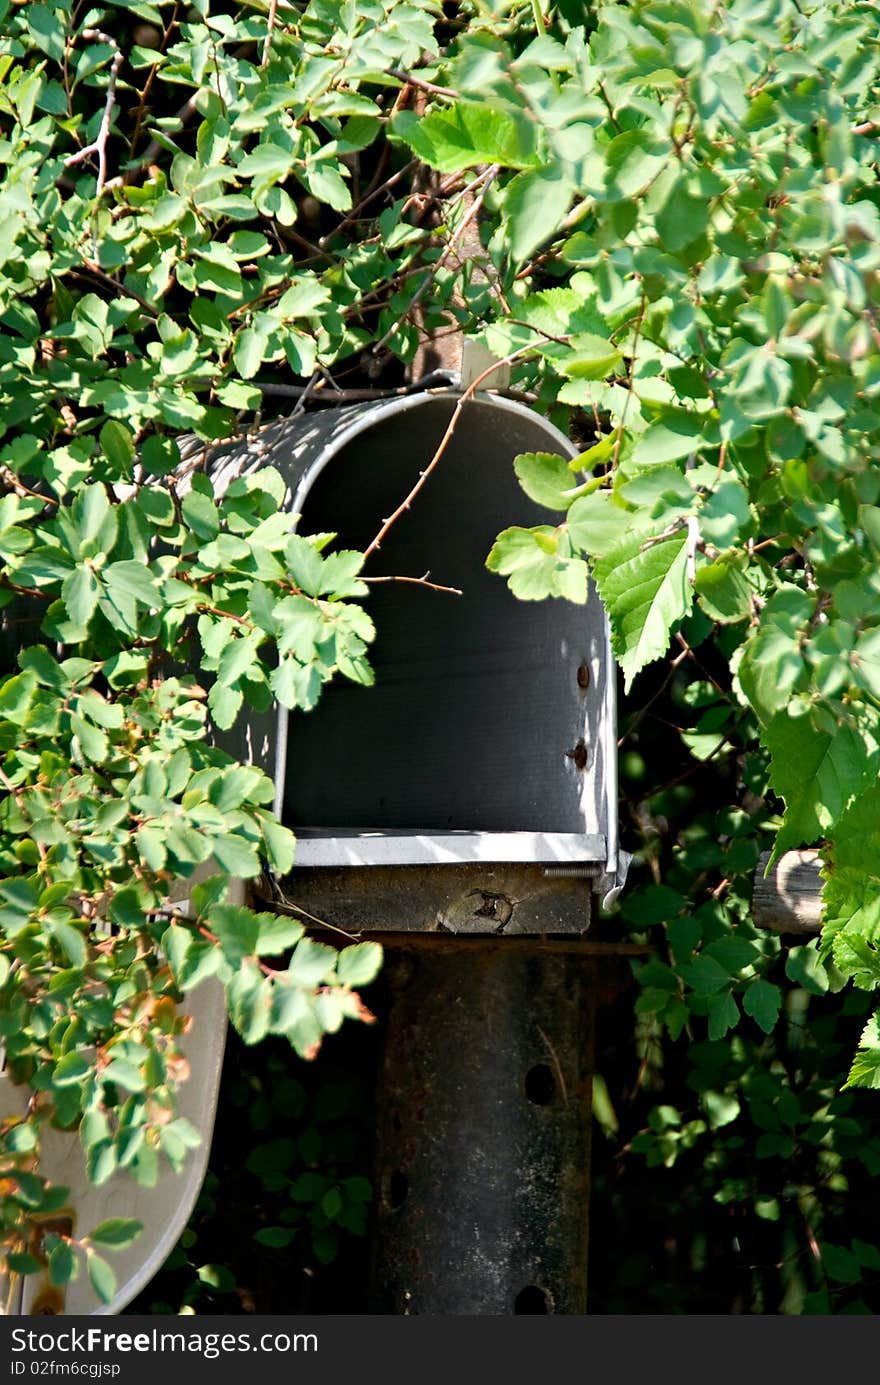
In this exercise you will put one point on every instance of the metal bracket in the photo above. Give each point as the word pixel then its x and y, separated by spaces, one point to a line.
pixel 613 884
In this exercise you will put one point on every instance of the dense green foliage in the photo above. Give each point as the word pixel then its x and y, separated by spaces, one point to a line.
pixel 679 215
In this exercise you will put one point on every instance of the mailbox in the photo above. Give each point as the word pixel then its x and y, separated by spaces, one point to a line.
pixel 489 735
pixel 471 790
pixel 465 808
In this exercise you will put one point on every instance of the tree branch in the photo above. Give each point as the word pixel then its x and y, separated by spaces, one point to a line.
pixel 418 582
pixel 420 83
pixel 442 446
pixel 99 146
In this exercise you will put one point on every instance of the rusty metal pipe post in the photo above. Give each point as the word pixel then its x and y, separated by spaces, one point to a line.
pixel 483 1161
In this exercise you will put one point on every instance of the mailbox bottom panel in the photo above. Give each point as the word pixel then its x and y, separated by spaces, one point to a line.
pixel 484 1134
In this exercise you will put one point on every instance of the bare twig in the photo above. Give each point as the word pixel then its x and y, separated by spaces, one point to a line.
pixel 94 272
pixel 185 113
pixel 693 540
pixel 420 83
pixel 418 582
pixel 99 145
pixel 270 25
pixel 442 445
pixel 643 304
pixel 369 196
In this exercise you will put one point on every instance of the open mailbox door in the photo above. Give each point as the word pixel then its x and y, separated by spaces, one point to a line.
pixel 163 1209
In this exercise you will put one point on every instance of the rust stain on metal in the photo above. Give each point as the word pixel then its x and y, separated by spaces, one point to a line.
pixel 579 754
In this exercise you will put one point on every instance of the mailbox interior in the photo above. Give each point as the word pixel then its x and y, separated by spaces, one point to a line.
pixel 471 744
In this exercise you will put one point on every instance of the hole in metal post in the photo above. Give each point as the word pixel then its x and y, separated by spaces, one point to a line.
pixel 540 1084
pixel 532 1299
pixel 398 1189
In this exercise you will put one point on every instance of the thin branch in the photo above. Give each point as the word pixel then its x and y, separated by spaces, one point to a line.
pixel 145 90
pixel 99 146
pixel 442 446
pixel 185 113
pixel 95 273
pixel 270 25
pixel 418 582
pixel 368 197
pixel 420 83
pixel 643 304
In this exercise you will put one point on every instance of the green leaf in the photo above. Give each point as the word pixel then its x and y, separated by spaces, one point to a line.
pixel 236 855
pixel 200 514
pixel 62 1263
pixel 803 967
pixel 102 1276
pixel 466 134
pixel 237 930
pixel 276 1237
pixel 72 942
pixel 276 933
pixel 840 1264
pixel 598 522
pixel 677 436
pixel 305 564
pixel 817 771
pixel 312 963
pixel 116 1231
pixel 47 30
pixel 250 347
pixel 546 479
pixel 529 557
pixel 249 995
pixel 865 1069
pixel 762 1001
pixel 117 445
pixel 632 160
pixel 132 579
pixel 534 206
pixel 591 358
pixel 358 965
pixel 723 1015
pixel 80 592
pixel 646 592
pixel 70 1070
pixel 123 1073
pixel 723 591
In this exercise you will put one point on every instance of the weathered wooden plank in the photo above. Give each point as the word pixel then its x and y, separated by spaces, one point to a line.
pixel 789 899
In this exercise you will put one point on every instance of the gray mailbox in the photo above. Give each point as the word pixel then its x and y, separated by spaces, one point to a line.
pixel 466 807
pixel 490 733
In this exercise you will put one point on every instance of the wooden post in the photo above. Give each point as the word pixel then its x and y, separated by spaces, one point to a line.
pixel 789 899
